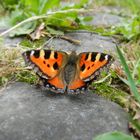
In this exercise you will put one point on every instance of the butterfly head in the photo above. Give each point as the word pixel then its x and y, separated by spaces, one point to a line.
pixel 72 59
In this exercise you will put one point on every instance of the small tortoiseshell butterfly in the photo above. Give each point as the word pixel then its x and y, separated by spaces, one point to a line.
pixel 66 73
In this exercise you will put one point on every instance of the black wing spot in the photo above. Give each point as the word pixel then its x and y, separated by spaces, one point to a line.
pixel 55 55
pixel 86 56
pixel 88 68
pixel 55 66
pixel 36 53
pixel 83 67
pixel 93 56
pixel 47 54
pixel 44 62
pixel 48 65
pixel 27 54
pixel 92 65
pixel 102 57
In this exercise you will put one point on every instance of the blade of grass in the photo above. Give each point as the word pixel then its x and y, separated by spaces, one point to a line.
pixel 130 79
pixel 124 80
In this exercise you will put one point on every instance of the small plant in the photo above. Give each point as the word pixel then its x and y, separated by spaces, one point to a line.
pixel 27 15
pixel 114 136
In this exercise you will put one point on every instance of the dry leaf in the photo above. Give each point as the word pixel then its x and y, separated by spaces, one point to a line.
pixel 39 32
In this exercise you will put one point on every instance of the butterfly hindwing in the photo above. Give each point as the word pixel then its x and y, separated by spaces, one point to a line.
pixel 55 84
pixel 46 63
pixel 91 63
pixel 77 85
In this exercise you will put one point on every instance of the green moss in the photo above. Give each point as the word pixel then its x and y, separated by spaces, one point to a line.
pixel 29 44
pixel 111 93
pixel 26 76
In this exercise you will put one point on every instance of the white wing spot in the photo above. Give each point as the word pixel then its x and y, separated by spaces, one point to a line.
pixel 47 85
pixel 32 53
pixel 106 57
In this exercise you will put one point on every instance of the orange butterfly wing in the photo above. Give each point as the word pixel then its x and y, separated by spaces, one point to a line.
pixel 77 86
pixel 55 84
pixel 88 64
pixel 92 62
pixel 45 61
pixel 47 64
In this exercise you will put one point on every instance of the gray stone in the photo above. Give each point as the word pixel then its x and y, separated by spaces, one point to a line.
pixel 106 20
pixel 27 113
pixel 116 10
pixel 10 41
pixel 89 42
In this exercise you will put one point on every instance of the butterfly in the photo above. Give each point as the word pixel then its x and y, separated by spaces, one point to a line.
pixel 66 73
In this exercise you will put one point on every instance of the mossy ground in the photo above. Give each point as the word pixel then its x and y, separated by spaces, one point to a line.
pixel 111 93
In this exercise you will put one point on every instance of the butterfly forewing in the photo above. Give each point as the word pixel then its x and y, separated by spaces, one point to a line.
pixel 91 63
pixel 46 63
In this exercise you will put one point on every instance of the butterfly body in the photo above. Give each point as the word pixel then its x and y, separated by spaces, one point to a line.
pixel 69 72
pixel 66 73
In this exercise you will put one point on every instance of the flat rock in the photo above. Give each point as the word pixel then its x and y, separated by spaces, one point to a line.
pixel 27 113
pixel 89 42
pixel 106 20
